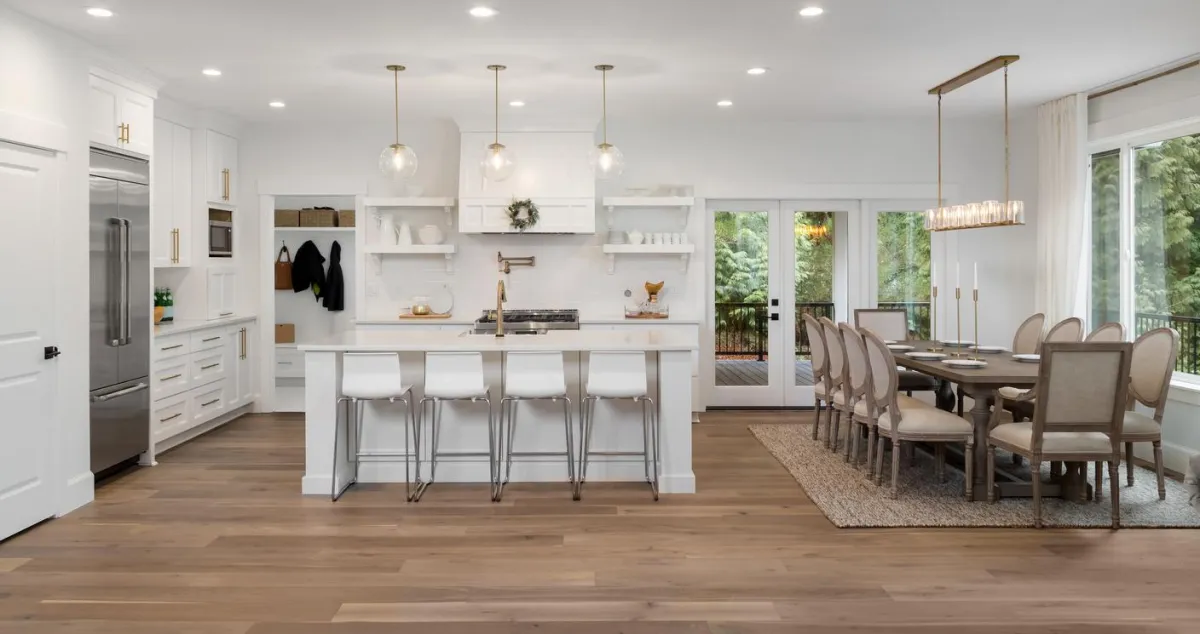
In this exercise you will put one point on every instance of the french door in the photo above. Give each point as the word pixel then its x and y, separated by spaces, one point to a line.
pixel 772 262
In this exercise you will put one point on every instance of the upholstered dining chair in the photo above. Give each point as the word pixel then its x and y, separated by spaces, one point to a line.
pixel 902 419
pixel 820 369
pixel 1068 330
pixel 855 388
pixel 1026 341
pixel 892 325
pixel 1112 331
pixel 836 375
pixel 1081 394
pixel 1154 355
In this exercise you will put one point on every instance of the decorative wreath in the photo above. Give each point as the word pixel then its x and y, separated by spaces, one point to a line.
pixel 522 214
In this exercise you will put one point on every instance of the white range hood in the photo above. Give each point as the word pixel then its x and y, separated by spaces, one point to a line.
pixel 553 170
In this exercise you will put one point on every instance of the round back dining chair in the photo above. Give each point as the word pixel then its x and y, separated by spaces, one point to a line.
pixel 889 323
pixel 1029 334
pixel 820 367
pixel 858 382
pixel 1154 355
pixel 1069 330
pixel 1107 333
pixel 837 377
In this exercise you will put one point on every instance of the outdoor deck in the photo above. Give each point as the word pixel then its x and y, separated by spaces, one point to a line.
pixel 751 372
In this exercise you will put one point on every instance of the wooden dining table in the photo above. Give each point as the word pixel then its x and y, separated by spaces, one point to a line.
pixel 983 385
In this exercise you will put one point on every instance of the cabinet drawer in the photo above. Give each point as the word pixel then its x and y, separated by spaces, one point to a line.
pixel 170 416
pixel 208 339
pixel 208 366
pixel 289 363
pixel 172 346
pixel 169 377
pixel 206 403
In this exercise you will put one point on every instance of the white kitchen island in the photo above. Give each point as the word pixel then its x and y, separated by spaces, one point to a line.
pixel 540 427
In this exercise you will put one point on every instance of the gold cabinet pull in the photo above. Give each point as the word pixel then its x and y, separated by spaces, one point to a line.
pixel 169 378
pixel 127 133
pixel 225 184
pixel 243 354
pixel 163 420
pixel 210 366
pixel 212 402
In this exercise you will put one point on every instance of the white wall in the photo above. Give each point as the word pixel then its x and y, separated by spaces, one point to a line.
pixel 44 75
pixel 1147 109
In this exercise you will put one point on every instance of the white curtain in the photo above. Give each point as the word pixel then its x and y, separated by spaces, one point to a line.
pixel 1061 287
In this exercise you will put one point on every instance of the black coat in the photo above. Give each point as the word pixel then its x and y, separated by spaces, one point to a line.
pixel 308 270
pixel 333 293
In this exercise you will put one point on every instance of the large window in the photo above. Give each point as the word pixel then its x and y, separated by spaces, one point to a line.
pixel 1161 232
pixel 903 267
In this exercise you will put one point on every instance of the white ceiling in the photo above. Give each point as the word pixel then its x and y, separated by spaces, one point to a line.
pixel 674 58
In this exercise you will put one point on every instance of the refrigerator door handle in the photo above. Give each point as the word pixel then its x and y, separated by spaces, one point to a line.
pixel 119 393
pixel 116 335
pixel 126 256
pixel 128 267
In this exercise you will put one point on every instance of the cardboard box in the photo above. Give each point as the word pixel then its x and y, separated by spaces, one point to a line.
pixel 285 333
pixel 287 217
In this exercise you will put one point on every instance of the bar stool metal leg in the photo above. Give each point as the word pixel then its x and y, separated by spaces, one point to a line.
pixel 334 491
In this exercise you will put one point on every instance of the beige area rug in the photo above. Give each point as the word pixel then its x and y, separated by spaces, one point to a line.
pixel 849 500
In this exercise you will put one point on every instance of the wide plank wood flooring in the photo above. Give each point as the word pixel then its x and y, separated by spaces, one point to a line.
pixel 218 540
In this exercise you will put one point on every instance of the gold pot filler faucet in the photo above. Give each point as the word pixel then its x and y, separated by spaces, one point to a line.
pixel 506 265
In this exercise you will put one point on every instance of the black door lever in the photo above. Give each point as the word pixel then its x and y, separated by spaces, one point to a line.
pixel 51 351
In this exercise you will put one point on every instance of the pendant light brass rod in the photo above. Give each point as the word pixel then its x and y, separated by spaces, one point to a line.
pixel 396 68
pixel 982 70
pixel 604 100
pixel 939 132
pixel 497 70
pixel 1007 199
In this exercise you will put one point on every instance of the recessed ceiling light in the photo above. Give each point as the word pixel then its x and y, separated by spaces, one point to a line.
pixel 97 12
pixel 724 103
pixel 483 12
pixel 211 72
pixel 277 104
pixel 758 70
pixel 811 12
pixel 517 104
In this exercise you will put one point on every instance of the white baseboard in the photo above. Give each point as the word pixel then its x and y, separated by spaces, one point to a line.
pixel 79 491
pixel 477 471
pixel 1175 457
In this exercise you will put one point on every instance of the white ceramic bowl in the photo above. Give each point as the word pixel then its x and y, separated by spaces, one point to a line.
pixel 431 234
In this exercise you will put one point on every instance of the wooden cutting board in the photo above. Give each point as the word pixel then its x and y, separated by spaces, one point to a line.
pixel 423 317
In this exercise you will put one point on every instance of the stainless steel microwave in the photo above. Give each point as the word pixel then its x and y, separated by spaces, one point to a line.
pixel 220 233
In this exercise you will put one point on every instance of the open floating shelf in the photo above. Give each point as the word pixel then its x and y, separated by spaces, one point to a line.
pixel 613 203
pixel 315 229
pixel 399 204
pixel 378 251
pixel 684 251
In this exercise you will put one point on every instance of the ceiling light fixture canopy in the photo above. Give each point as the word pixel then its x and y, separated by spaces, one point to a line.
pixel 989 213
pixel 211 72
pixel 811 12
pixel 100 12
pixel 499 162
pixel 483 12
pixel 397 161
pixel 757 70
pixel 607 159
pixel 724 103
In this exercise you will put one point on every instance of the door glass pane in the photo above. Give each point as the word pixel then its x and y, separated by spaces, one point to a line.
pixel 904 259
pixel 741 242
pixel 814 281
pixel 1106 238
pixel 1166 237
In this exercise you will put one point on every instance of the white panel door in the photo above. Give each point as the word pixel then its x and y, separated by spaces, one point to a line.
pixel 137 113
pixel 162 196
pixel 181 189
pixel 29 181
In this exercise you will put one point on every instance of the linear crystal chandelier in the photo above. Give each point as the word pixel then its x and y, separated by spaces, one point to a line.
pixel 989 213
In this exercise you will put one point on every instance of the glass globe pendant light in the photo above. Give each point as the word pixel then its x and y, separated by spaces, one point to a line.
pixel 397 161
pixel 607 160
pixel 499 162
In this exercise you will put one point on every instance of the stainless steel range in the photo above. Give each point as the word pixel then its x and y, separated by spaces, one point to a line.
pixel 528 322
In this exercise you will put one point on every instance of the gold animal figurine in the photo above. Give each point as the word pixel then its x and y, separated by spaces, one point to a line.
pixel 653 289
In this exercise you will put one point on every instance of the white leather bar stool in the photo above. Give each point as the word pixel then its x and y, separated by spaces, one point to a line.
pixel 453 376
pixel 619 376
pixel 372 377
pixel 533 376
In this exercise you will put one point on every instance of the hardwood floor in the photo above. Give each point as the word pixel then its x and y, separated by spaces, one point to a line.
pixel 217 540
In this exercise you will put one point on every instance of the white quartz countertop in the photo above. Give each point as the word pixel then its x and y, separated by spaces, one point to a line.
pixel 456 320
pixel 666 340
pixel 180 326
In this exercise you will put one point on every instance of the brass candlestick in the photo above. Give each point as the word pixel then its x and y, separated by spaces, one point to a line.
pixel 933 338
pixel 958 316
pixel 975 296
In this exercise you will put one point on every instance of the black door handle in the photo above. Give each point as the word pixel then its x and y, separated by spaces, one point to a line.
pixel 51 351
pixel 774 302
pixel 774 316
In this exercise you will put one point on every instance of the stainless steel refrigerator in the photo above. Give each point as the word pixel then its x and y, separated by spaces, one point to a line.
pixel 120 308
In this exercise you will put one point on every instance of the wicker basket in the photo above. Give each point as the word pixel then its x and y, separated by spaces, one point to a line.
pixel 318 218
pixel 345 218
pixel 287 217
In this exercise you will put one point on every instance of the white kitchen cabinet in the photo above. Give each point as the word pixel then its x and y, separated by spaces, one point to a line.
pixel 240 348
pixel 221 172
pixel 171 195
pixel 170 416
pixel 208 402
pixel 119 117
pixel 555 215
pixel 222 292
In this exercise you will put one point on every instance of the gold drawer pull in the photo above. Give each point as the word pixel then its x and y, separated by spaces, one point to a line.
pixel 209 367
pixel 163 420
pixel 178 345
pixel 215 400
pixel 210 339
pixel 172 377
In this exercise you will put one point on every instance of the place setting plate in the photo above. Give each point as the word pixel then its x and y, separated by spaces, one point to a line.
pixel 966 364
pixel 991 349
pixel 899 347
pixel 925 356
pixel 1027 358
pixel 958 344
